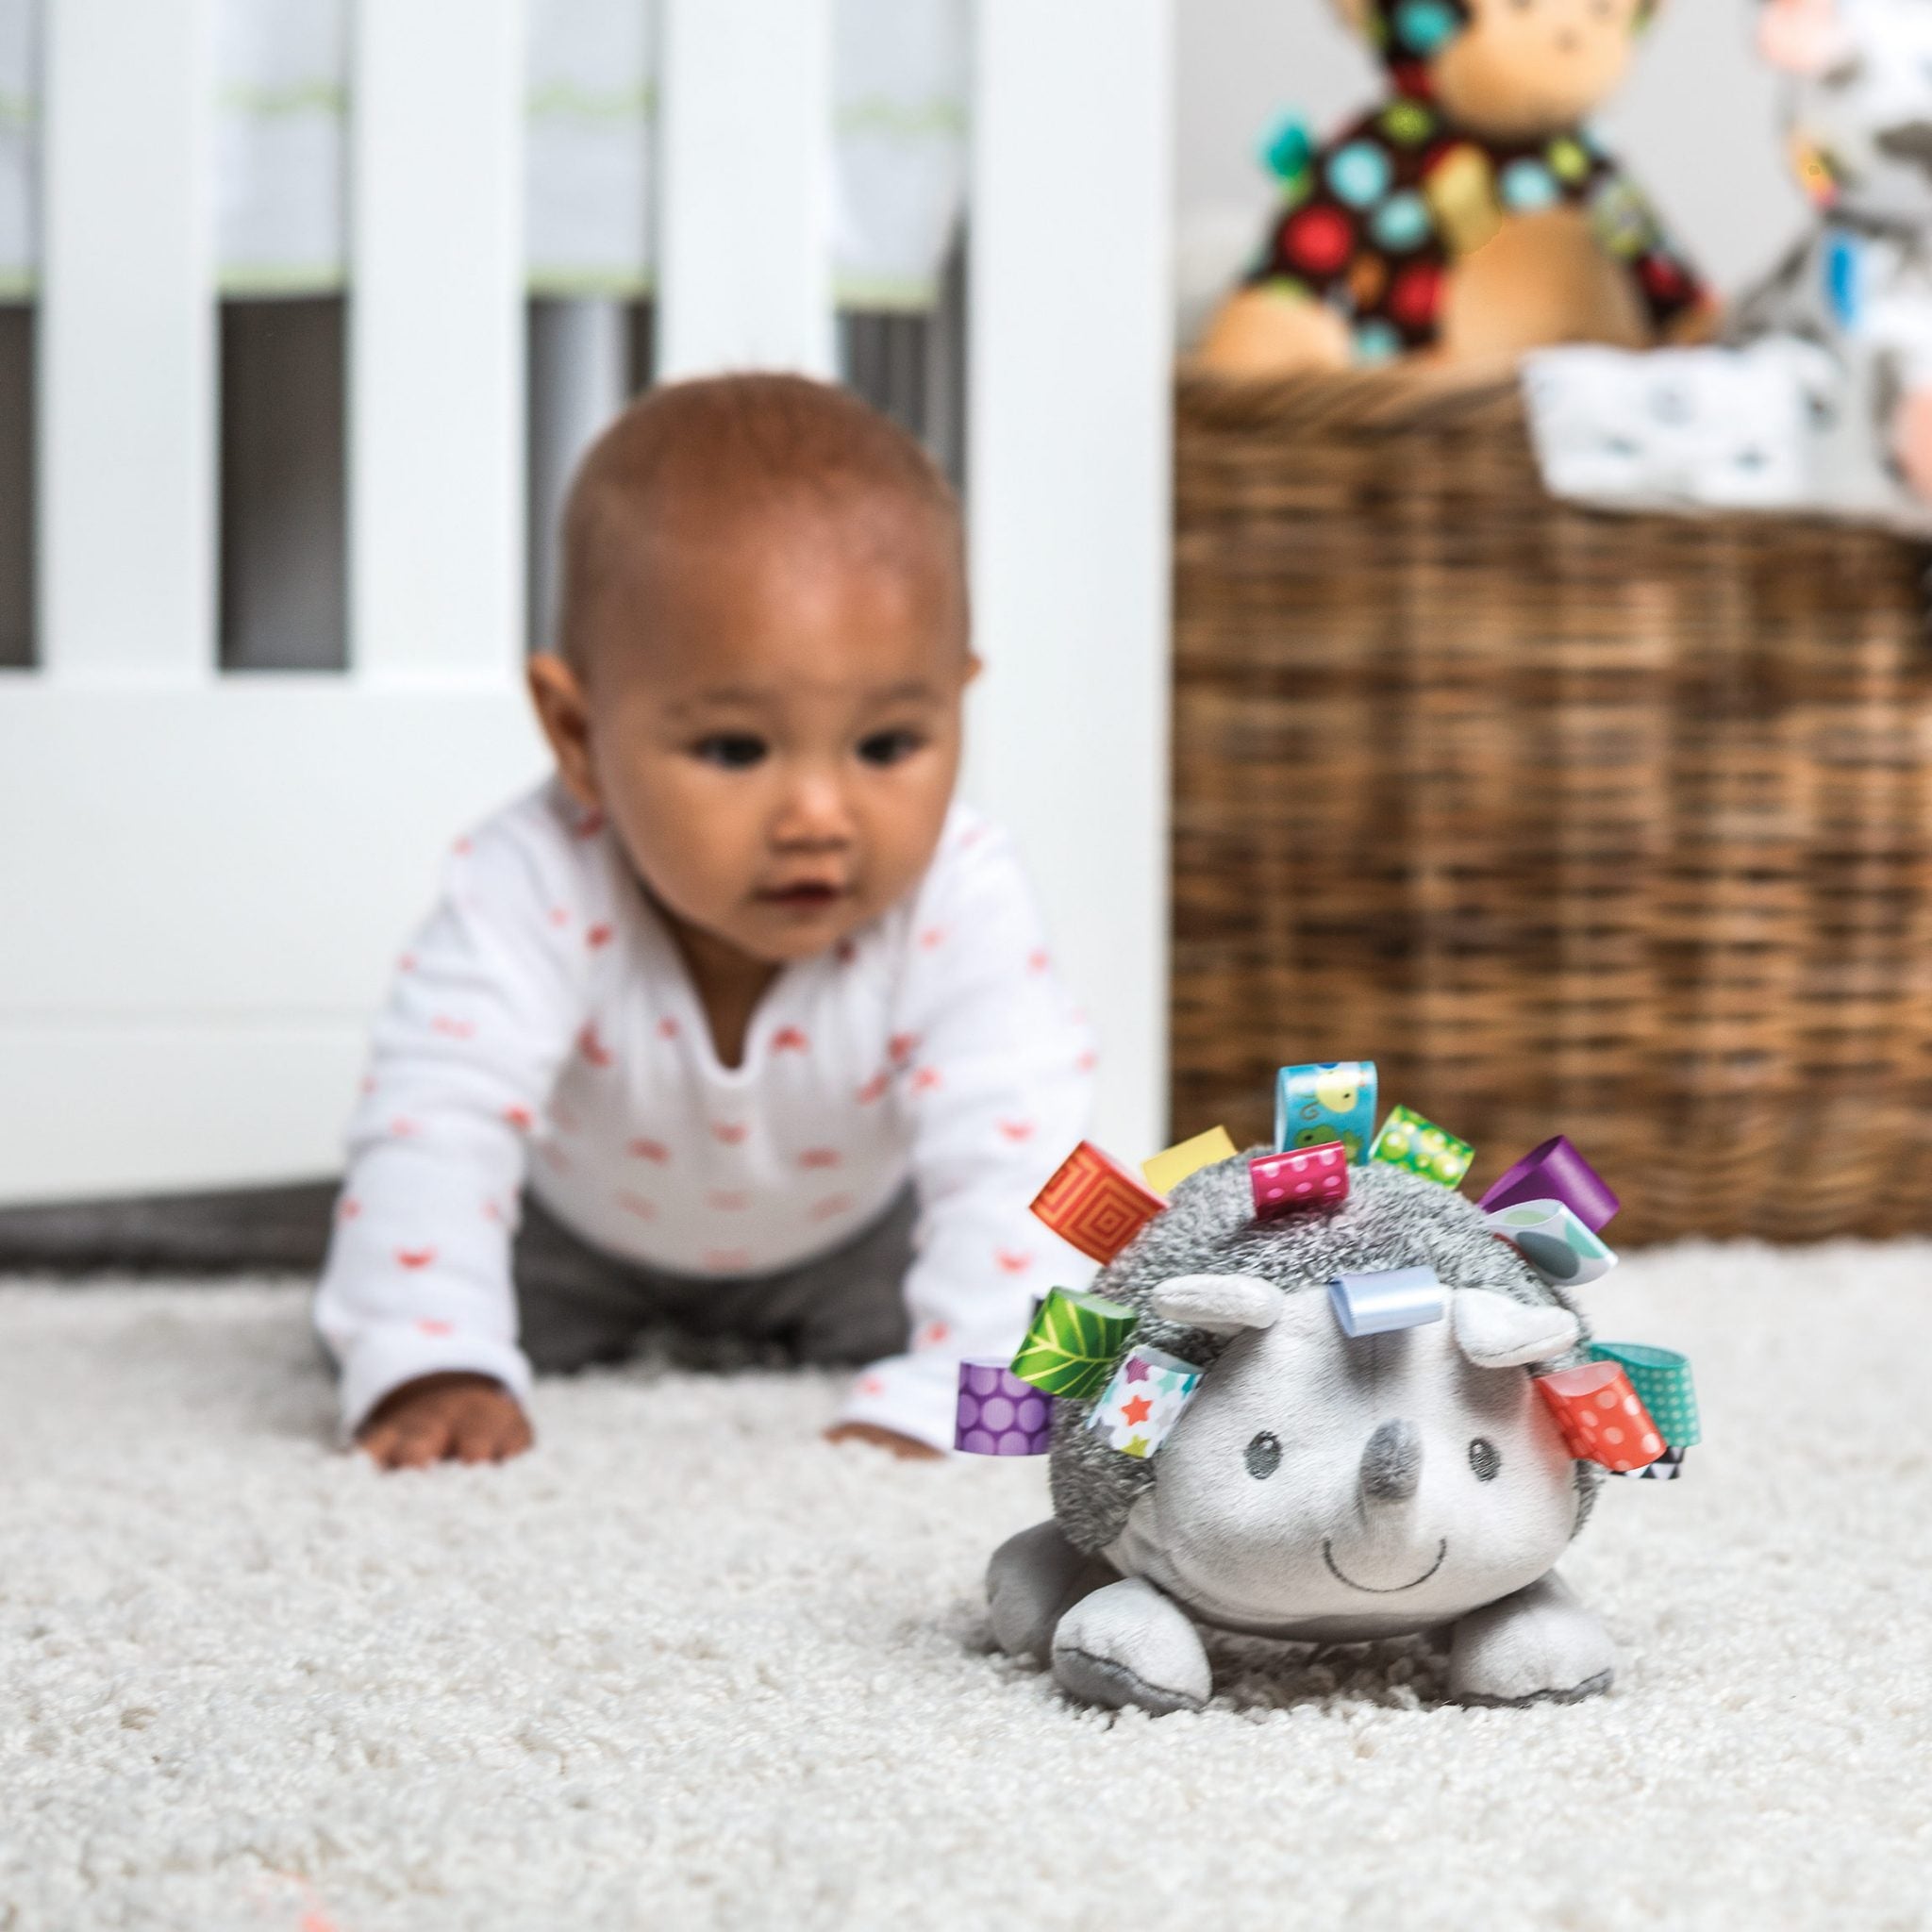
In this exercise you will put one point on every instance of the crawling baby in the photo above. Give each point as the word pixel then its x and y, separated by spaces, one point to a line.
pixel 739 1022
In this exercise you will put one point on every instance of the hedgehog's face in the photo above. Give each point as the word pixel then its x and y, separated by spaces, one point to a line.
pixel 1861 100
pixel 1389 1481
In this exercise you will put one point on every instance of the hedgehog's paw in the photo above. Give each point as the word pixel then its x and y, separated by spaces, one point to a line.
pixel 1127 1645
pixel 1539 1645
pixel 1034 1579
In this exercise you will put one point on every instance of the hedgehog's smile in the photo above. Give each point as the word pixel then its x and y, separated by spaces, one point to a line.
pixel 1393 1590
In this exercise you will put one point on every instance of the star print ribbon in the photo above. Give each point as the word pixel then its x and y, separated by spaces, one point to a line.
pixel 1148 1396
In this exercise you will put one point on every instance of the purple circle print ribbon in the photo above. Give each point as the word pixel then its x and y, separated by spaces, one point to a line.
pixel 1555 1172
pixel 999 1415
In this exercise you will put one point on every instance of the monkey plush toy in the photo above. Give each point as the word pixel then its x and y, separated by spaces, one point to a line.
pixel 1471 214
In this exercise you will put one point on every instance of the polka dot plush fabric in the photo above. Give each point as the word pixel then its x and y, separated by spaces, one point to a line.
pixel 687 1666
pixel 1375 222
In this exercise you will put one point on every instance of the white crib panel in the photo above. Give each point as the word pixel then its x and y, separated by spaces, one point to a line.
pixel 1069 425
pixel 436 312
pixel 746 201
pixel 204 890
pixel 256 848
pixel 126 341
pixel 108 1107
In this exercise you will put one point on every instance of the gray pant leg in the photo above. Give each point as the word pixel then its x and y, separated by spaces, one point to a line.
pixel 577 1306
pixel 846 1306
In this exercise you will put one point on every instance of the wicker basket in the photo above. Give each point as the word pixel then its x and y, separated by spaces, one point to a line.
pixel 1616 826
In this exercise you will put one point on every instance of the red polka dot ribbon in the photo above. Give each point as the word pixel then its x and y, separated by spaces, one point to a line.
pixel 1601 1417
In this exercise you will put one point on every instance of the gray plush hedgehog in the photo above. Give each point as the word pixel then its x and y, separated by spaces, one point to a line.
pixel 1319 1488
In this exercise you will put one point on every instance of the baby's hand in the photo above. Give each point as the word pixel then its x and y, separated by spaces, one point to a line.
pixel 905 1447
pixel 455 1417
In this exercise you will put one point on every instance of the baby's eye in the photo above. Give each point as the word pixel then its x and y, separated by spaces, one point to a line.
pixel 889 747
pixel 1484 1459
pixel 731 751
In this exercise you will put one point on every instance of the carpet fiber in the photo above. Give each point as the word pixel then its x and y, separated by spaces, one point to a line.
pixel 685 1666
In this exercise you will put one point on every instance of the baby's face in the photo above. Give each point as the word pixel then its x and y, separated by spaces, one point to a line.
pixel 777 747
pixel 1525 68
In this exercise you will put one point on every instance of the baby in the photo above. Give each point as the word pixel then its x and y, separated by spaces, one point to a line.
pixel 737 1023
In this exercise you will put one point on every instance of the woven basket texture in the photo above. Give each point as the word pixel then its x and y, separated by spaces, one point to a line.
pixel 1609 826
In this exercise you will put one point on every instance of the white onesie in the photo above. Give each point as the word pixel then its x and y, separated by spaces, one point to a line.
pixel 543 1029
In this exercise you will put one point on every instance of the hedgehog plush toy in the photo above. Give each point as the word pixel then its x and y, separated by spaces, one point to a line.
pixel 1470 215
pixel 1323 1401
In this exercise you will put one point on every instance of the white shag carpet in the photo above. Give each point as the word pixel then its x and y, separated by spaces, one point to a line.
pixel 685 1666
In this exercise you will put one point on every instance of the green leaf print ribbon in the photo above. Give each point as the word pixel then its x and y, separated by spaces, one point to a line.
pixel 1073 1342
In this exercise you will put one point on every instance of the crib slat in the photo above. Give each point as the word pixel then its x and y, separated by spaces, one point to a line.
pixel 746 201
pixel 1069 459
pixel 127 439
pixel 436 314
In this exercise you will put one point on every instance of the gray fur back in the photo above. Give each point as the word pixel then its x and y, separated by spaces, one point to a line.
pixel 1392 1219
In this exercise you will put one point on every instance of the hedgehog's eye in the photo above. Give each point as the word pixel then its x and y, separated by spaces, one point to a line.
pixel 1264 1456
pixel 1484 1459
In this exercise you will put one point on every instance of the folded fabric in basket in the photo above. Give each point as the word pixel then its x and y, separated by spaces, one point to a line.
pixel 1720 428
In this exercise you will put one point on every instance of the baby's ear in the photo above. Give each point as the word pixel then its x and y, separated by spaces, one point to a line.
pixel 1495 1332
pixel 1222 1304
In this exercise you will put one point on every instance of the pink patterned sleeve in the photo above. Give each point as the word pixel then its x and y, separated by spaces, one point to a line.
pixel 484 1005
pixel 998 1073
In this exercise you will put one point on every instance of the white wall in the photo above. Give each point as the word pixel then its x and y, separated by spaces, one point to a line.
pixel 1697 123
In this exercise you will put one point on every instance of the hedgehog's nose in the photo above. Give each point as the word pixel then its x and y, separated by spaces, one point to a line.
pixel 1391 1465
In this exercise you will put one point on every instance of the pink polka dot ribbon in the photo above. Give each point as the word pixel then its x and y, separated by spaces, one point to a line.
pixel 1307 1178
pixel 1601 1417
pixel 999 1415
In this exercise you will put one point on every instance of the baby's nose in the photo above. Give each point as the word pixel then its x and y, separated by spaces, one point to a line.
pixel 815 813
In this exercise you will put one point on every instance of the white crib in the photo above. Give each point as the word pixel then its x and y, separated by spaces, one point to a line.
pixel 202 877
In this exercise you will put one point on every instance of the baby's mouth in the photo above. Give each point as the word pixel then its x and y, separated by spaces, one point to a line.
pixel 804 895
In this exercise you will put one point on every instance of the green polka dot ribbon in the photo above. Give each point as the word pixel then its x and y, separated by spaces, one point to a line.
pixel 1661 1377
pixel 1407 1139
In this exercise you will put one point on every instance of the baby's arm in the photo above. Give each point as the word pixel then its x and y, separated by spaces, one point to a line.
pixel 416 1301
pixel 999 1085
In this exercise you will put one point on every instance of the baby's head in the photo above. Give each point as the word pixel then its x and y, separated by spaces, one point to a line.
pixel 1518 70
pixel 764 649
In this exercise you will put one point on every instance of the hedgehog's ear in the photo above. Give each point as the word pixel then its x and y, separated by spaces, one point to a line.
pixel 1222 1304
pixel 1495 1332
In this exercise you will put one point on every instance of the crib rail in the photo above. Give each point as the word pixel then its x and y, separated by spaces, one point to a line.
pixel 204 876
pixel 126 342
